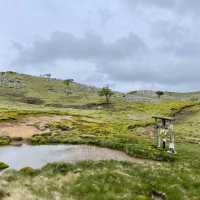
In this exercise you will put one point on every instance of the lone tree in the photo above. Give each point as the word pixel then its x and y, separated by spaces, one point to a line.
pixel 107 92
pixel 67 83
pixel 48 76
pixel 160 93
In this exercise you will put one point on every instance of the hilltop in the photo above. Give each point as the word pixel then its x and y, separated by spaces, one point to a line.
pixel 22 88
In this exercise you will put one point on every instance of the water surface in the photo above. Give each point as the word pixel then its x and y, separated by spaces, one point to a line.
pixel 38 156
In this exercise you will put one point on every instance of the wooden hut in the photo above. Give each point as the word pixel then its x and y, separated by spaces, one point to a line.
pixel 163 135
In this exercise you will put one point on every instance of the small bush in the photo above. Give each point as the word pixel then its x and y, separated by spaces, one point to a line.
pixel 194 99
pixel 32 100
pixel 5 140
pixel 60 167
pixel 29 171
pixel 3 166
pixel 3 194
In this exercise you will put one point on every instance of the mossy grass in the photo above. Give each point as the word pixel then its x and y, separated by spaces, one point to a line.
pixel 3 166
pixel 90 180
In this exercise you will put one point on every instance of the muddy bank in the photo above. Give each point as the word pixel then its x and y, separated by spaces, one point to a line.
pixel 28 126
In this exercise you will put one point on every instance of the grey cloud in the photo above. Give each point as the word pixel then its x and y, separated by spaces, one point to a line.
pixel 176 40
pixel 157 43
pixel 178 6
pixel 106 16
pixel 127 59
pixel 91 47
pixel 170 73
pixel 169 31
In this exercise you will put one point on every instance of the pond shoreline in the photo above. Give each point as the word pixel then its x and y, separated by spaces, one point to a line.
pixel 36 156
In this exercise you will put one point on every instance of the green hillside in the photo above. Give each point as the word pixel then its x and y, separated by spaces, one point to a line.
pixel 125 125
pixel 17 87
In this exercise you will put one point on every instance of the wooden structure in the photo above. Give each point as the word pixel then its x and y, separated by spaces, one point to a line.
pixel 164 134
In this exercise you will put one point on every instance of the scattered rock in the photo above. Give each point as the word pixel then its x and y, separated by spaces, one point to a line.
pixel 157 195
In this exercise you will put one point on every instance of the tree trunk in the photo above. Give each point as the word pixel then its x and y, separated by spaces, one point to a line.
pixel 107 100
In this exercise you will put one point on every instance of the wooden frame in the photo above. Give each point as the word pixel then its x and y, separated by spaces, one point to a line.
pixel 164 133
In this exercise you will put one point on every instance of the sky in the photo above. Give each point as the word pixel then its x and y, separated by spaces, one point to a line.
pixel 126 44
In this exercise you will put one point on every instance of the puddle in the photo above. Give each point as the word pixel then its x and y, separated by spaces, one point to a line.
pixel 38 156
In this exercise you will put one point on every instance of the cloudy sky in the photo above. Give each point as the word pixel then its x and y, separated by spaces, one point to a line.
pixel 128 44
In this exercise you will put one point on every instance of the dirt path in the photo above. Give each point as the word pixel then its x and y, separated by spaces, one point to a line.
pixel 29 126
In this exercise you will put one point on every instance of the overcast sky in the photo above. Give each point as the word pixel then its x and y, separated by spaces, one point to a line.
pixel 128 44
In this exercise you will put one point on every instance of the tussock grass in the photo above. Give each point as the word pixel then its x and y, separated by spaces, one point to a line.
pixel 102 180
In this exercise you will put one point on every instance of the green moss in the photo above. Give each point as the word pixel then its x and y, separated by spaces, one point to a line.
pixel 5 140
pixel 3 166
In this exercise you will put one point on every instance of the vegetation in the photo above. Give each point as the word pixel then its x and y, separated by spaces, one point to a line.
pixel 103 180
pixel 127 125
pixel 3 166
pixel 107 92
pixel 32 100
pixel 160 93
pixel 67 83
pixel 4 140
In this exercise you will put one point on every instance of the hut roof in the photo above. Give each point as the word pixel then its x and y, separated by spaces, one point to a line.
pixel 163 118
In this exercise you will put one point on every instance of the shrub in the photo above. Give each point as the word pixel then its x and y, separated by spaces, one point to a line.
pixel 32 100
pixel 5 140
pixel 3 194
pixel 3 166
pixel 194 99
pixel 29 171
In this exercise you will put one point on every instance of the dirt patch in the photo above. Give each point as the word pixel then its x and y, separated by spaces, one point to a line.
pixel 29 126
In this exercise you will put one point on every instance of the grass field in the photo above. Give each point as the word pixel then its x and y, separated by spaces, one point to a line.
pixel 125 125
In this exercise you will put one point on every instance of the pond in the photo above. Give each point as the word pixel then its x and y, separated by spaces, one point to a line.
pixel 38 156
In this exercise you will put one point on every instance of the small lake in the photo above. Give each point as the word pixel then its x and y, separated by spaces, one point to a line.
pixel 38 156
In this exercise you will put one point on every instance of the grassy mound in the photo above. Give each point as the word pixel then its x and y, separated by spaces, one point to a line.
pixel 103 180
pixel 3 166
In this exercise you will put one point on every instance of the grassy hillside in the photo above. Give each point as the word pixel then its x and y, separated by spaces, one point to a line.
pixel 126 125
pixel 16 87
pixel 150 95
